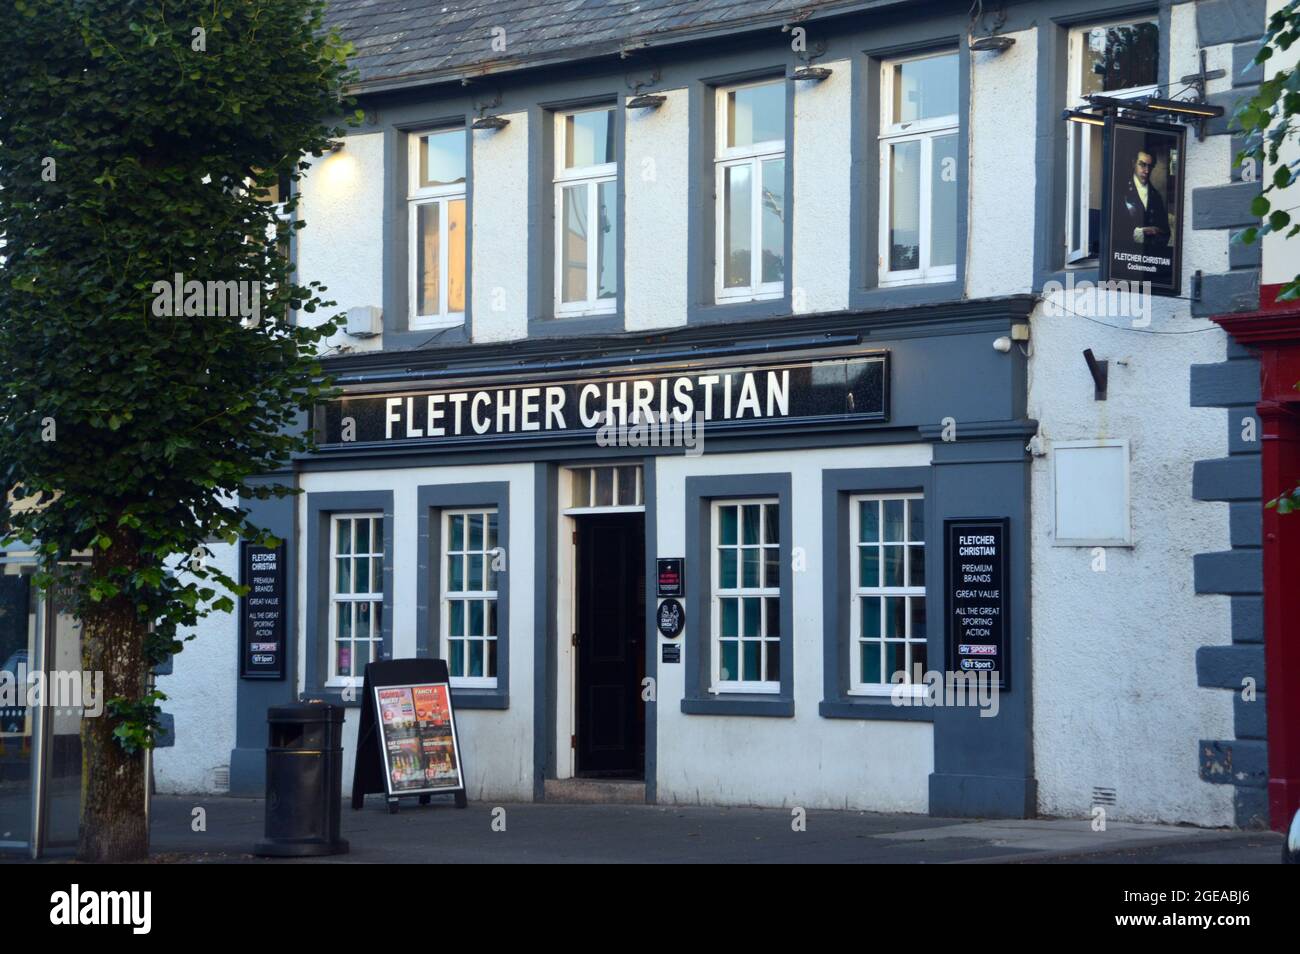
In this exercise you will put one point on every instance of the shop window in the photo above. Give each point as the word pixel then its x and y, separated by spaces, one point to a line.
pixel 356 595
pixel 1090 493
pixel 918 169
pixel 437 213
pixel 606 488
pixel 586 212
pixel 887 612
pixel 472 560
pixel 749 164
pixel 1120 60
pixel 747 596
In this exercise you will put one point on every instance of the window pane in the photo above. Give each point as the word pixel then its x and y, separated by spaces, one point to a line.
pixel 943 200
pixel 362 628
pixel 455 573
pixel 916 520
pixel 1120 57
pixel 752 616
pixel 582 488
pixel 895 620
pixel 491 617
pixel 895 660
pixel 749 520
pixel 771 567
pixel 492 530
pixel 727 569
pixel 343 628
pixel 904 206
pixel 589 138
pixel 893 566
pixel 868 566
pixel 756 114
pixel 426 257
pixel 458 657
pixel 607 249
pixel 476 619
pixel 727 525
pixel 490 649
pixel 753 651
pixel 774 220
pixel 1093 211
pixel 925 88
pixel 363 536
pixel 475 531
pixel 456 255
pixel 627 486
pixel 457 540
pixel 916 566
pixel 870 610
pixel 918 652
pixel 573 238
pixel 456 618
pixel 377 575
pixel 917 607
pixel 604 486
pixel 736 228
pixel 869 654
pixel 344 659
pixel 868 520
pixel 749 562
pixel 894 520
pixel 442 158
pixel 344 584
pixel 773 661
pixel 475 565
pixel 378 534
pixel 727 665
pixel 730 617
pixel 772 609
pixel 343 536
pixel 771 524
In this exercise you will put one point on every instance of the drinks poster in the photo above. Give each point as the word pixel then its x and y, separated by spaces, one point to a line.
pixel 419 738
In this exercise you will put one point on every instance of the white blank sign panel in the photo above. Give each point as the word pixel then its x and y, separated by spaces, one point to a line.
pixel 1090 481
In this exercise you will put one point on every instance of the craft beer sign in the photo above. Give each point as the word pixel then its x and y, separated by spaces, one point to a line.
pixel 741 397
pixel 975 594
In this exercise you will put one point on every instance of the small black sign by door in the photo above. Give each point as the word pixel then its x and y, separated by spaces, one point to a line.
pixel 669 577
pixel 671 618
pixel 975 596
pixel 262 612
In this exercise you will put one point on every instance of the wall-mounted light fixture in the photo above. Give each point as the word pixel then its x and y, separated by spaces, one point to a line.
pixel 646 101
pixel 814 74
pixel 984 38
pixel 1078 116
pixel 336 145
pixel 491 122
pixel 1183 108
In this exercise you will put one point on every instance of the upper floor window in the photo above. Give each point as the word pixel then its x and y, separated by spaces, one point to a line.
pixel 437 229
pixel 750 189
pixel 918 169
pixel 586 212
pixel 1115 59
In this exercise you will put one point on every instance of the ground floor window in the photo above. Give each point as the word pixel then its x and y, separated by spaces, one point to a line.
pixel 471 561
pixel 887 612
pixel 747 596
pixel 356 595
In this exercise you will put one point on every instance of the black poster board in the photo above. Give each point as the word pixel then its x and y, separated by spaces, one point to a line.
pixel 669 578
pixel 975 596
pixel 1144 167
pixel 262 611
pixel 416 750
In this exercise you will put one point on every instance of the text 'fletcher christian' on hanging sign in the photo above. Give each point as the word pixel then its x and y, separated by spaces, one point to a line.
pixel 758 394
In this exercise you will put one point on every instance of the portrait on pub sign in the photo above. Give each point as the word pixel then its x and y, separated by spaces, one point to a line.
pixel 1144 169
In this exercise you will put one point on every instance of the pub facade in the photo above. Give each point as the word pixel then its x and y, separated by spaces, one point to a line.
pixel 731 404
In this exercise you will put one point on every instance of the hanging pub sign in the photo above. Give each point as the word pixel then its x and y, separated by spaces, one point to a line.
pixel 662 402
pixel 975 596
pixel 262 629
pixel 1142 204
pixel 407 742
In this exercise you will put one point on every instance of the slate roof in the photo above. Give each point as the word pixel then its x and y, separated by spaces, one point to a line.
pixel 399 40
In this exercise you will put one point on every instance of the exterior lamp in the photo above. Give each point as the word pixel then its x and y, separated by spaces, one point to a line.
pixel 1183 108
pixel 990 41
pixel 1076 116
pixel 491 122
pixel 813 74
pixel 646 101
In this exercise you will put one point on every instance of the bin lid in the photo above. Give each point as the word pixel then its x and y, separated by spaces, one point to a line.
pixel 305 712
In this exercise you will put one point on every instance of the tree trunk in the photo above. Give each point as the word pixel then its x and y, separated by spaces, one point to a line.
pixel 114 826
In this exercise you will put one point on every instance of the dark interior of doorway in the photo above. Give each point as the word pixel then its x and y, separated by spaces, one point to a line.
pixel 610 636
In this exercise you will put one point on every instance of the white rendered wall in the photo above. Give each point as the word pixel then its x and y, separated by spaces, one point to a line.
pixel 498 744
pixel 1003 117
pixel 656 149
pixel 806 761
pixel 1114 653
pixel 499 266
pixel 342 245
pixel 201 693
pixel 823 172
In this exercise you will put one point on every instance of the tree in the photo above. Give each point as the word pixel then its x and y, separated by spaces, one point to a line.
pixel 1269 121
pixel 140 141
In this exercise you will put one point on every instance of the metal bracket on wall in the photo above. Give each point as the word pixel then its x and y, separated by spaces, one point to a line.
pixel 1100 371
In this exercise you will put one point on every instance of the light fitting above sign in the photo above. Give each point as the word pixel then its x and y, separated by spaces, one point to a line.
pixel 741 397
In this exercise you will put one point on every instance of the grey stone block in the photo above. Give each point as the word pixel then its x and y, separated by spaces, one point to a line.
pixel 1225 383
pixel 1244 524
pixel 1232 571
pixel 1227 292
pixel 1249 719
pixel 1224 667
pixel 1226 206
pixel 1229 99
pixel 1230 21
pixel 1234 762
pixel 1247 619
pixel 1245 72
pixel 1245 256
pixel 1250 807
pixel 1227 478
pixel 1237 431
pixel 166 737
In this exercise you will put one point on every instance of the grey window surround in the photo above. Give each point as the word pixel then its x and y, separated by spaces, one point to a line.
pixel 837 487
pixel 542 318
pixel 702 305
pixel 864 187
pixel 397 305
pixel 701 493
pixel 321 508
pixel 432 500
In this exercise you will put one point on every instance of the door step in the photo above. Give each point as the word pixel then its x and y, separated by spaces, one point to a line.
pixel 590 791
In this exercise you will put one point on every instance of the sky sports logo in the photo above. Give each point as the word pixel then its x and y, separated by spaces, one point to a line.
pixel 98 908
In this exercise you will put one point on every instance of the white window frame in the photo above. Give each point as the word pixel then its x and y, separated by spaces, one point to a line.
pixel 1078 185
pixel 441 196
pixel 753 155
pixel 740 592
pixel 468 595
pixel 638 492
pixel 856 590
pixel 892 133
pixel 375 599
pixel 592 177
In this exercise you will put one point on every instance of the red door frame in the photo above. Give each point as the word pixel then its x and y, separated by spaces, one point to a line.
pixel 1274 334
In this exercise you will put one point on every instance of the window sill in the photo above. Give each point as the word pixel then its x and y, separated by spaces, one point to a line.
pixel 435 324
pixel 334 696
pixel 879 708
pixel 464 697
pixel 741 704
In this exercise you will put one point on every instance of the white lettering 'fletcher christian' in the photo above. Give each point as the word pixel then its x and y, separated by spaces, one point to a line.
pixel 74 907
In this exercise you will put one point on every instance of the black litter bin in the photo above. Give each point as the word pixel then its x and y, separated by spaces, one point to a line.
pixel 304 781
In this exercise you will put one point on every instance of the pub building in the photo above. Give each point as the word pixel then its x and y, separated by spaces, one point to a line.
pixel 715 377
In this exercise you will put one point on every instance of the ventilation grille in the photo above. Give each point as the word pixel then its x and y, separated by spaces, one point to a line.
pixel 221 778
pixel 1103 796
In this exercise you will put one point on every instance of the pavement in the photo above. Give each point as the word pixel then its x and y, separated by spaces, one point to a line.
pixel 540 832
